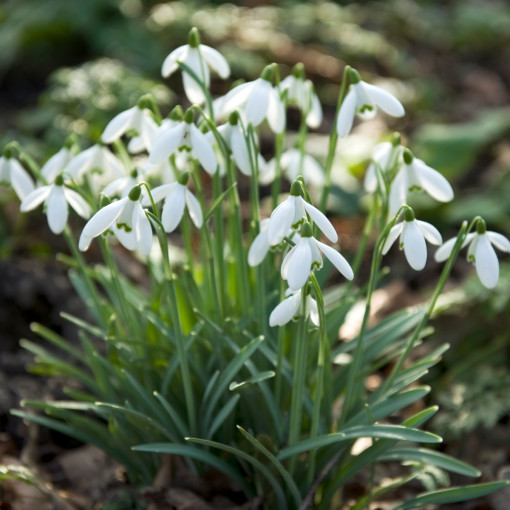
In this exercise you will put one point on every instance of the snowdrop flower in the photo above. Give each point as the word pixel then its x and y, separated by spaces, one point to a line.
pixel 198 57
pixel 296 163
pixel 363 99
pixel 97 162
pixel 126 219
pixel 304 257
pixel 57 163
pixel 56 198
pixel 123 185
pixel 300 92
pixel 13 173
pixel 291 212
pixel 384 157
pixel 184 135
pixel 413 234
pixel 481 252
pixel 415 174
pixel 289 309
pixel 137 119
pixel 260 100
pixel 177 196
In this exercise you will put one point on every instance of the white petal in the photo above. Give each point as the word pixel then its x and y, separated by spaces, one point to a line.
pixel 415 247
pixel 313 173
pixel 281 221
pixel 82 162
pixel 337 259
pixel 275 112
pixel 77 202
pixel 215 60
pixel 286 260
pixel 486 262
pixel 314 117
pixel 194 209
pixel 234 98
pixel 20 180
pixel 142 229
pixel 384 100
pixel 173 209
pixel 167 143
pixel 445 250
pixel 321 221
pixel 398 192
pixel 299 265
pixel 148 130
pixel 118 125
pixel 395 231
pixel 432 181
pixel 159 193
pixel 56 210
pixel 169 64
pixel 103 219
pixel 240 151
pixel 35 198
pixel 192 89
pixel 258 101
pixel 258 249
pixel 56 164
pixel 286 310
pixel 346 114
pixel 499 241
pixel 430 232
pixel 312 310
pixel 123 227
pixel 202 150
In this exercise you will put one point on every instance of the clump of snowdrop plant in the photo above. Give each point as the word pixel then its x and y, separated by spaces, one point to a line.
pixel 229 355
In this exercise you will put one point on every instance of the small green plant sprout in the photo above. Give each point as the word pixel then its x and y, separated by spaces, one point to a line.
pixel 228 355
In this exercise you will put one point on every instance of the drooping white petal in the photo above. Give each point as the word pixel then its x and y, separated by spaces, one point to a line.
pixel 56 164
pixel 286 260
pixel 395 231
pixel 258 249
pixel 82 162
pixel 398 192
pixel 258 101
pixel 299 265
pixel 20 180
pixel 173 209
pixel 314 117
pixel 215 60
pixel 432 181
pixel 240 151
pixel 446 249
pixel 312 310
pixel 384 100
pixel 415 248
pixel 286 310
pixel 281 221
pixel 56 210
pixel 499 241
pixel 118 125
pixel 158 193
pixel 346 114
pixel 275 112
pixel 430 232
pixel 194 209
pixel 167 143
pixel 35 198
pixel 192 89
pixel 77 202
pixel 313 173
pixel 321 221
pixel 170 63
pixel 486 262
pixel 123 226
pixel 234 99
pixel 337 259
pixel 142 230
pixel 202 150
pixel 102 220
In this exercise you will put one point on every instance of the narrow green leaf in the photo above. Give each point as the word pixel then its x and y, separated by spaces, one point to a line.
pixel 218 201
pixel 173 414
pixel 256 378
pixel 223 415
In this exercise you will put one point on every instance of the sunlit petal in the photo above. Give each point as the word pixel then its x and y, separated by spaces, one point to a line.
pixel 56 210
pixel 321 221
pixel 215 60
pixel 77 202
pixel 35 198
pixel 415 248
pixel 337 259
pixel 395 231
pixel 118 125
pixel 286 310
pixel 173 209
pixel 346 114
pixel 194 209
pixel 384 100
pixel 299 265
pixel 202 150
pixel 486 262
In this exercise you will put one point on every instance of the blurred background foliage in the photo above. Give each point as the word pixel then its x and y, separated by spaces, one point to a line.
pixel 67 66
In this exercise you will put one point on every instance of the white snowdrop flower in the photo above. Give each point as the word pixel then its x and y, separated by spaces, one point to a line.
pixel 363 99
pixel 98 163
pixel 305 257
pixel 56 198
pixel 198 57
pixel 292 212
pixel 127 220
pixel 414 174
pixel 384 156
pixel 123 185
pixel 13 173
pixel 137 119
pixel 161 171
pixel 259 100
pixel 296 163
pixel 301 93
pixel 289 309
pixel 184 135
pixel 137 145
pixel 413 234
pixel 57 163
pixel 481 252
pixel 177 197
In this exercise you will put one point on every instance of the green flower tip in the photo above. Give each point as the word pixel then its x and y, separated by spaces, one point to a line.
pixel 133 173
pixel 353 75
pixel 409 214
pixel 183 178
pixel 70 142
pixel 8 152
pixel 481 227
pixel 176 114
pixel 189 116
pixel 395 139
pixel 145 102
pixel 104 200
pixel 135 193
pixel 306 230
pixel 59 180
pixel 296 189
pixel 267 73
pixel 298 71
pixel 233 118
pixel 408 156
pixel 194 38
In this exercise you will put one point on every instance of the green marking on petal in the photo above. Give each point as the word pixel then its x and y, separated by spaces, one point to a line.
pixel 124 226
